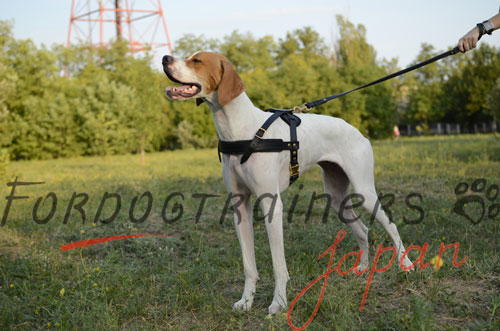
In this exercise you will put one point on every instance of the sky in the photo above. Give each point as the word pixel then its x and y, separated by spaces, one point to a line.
pixel 396 28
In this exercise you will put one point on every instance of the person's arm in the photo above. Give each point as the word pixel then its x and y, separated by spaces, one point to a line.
pixel 469 41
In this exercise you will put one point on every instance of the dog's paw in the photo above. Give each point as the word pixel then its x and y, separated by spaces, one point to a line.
pixel 244 304
pixel 472 205
pixel 407 264
pixel 276 307
pixel 362 267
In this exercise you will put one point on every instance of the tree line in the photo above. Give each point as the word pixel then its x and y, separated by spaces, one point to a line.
pixel 108 102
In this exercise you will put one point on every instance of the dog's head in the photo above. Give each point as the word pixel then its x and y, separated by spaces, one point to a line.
pixel 200 75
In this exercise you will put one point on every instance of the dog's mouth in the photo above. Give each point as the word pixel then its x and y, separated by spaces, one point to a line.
pixel 183 92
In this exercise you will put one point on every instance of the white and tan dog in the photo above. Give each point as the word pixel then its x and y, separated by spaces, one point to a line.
pixel 345 156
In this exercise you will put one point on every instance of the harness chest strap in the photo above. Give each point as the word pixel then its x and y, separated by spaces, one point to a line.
pixel 258 144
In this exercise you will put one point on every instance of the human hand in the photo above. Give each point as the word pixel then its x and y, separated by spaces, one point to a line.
pixel 469 41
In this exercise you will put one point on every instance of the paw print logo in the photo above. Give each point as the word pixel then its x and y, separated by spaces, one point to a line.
pixel 472 205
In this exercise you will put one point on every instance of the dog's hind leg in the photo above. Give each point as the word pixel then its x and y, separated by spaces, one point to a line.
pixel 372 205
pixel 337 185
pixel 361 175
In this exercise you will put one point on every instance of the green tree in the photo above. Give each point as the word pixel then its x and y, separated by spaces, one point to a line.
pixel 247 53
pixel 372 110
pixel 469 84
pixel 493 102
pixel 29 73
pixel 297 81
pixel 190 43
pixel 424 103
pixel 150 118
pixel 303 41
pixel 8 79
pixel 480 75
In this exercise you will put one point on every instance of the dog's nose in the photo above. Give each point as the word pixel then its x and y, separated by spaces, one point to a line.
pixel 167 59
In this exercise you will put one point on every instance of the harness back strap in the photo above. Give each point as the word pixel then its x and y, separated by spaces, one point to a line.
pixel 259 144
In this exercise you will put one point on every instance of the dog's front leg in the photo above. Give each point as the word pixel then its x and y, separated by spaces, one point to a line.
pixel 243 221
pixel 273 208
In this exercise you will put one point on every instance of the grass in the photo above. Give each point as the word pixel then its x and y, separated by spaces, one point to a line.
pixel 190 280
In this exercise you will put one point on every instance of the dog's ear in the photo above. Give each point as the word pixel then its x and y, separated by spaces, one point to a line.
pixel 230 85
pixel 199 101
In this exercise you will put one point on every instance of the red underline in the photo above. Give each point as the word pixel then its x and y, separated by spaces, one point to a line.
pixel 89 242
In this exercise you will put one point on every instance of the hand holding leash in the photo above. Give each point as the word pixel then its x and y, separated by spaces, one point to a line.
pixel 469 40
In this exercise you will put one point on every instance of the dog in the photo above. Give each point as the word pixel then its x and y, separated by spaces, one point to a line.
pixel 344 155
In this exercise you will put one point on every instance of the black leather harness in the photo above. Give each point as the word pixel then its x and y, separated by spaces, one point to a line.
pixel 258 144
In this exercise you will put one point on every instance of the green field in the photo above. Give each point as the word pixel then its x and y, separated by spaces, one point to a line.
pixel 191 279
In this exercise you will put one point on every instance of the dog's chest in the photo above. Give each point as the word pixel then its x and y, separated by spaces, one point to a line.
pixel 234 166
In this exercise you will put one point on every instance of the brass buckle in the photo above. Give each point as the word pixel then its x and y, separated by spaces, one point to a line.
pixel 263 133
pixel 294 170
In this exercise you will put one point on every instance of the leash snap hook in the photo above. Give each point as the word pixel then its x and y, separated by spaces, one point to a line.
pixel 300 109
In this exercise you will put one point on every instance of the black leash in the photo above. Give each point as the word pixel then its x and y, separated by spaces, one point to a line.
pixel 312 104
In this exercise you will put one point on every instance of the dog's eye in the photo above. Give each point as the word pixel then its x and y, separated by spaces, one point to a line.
pixel 196 60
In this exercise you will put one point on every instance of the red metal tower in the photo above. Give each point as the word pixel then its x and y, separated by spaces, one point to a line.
pixel 105 20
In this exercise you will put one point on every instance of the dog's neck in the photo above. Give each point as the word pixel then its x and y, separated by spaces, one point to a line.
pixel 238 120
